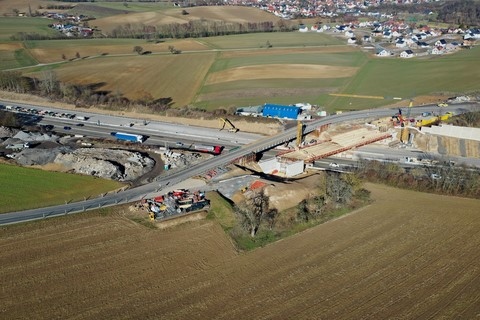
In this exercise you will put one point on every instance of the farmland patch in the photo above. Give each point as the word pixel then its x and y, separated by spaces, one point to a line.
pixel 280 71
pixel 416 258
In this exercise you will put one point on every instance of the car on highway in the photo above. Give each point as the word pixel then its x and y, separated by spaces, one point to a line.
pixel 79 124
pixel 179 144
pixel 333 165
pixel 67 128
pixel 442 104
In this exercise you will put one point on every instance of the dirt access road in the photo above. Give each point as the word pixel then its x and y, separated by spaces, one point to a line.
pixel 407 256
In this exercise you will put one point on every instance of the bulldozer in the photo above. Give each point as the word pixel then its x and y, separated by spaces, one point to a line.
pixel 226 122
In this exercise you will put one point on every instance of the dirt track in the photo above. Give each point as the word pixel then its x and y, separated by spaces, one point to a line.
pixel 409 255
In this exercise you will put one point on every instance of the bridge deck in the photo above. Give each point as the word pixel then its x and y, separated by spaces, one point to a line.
pixel 338 143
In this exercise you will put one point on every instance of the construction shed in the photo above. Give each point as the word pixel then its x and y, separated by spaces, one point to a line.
pixel 279 111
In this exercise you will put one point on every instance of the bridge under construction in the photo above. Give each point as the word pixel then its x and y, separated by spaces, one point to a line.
pixel 335 144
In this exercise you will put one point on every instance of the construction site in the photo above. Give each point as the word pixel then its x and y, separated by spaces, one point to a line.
pixel 174 203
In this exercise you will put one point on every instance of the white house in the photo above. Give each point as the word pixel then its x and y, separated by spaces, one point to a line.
pixel 303 28
pixel 441 42
pixel 367 38
pixel 400 43
pixel 407 54
pixel 438 50
pixel 383 53
pixel 352 40
pixel 349 34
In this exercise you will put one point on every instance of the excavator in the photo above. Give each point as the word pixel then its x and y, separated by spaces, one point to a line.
pixel 226 122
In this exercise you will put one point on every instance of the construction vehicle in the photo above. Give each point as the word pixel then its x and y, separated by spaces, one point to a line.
pixel 434 119
pixel 226 122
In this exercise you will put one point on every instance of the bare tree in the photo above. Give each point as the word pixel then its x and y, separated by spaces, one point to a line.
pixel 49 84
pixel 253 211
pixel 138 49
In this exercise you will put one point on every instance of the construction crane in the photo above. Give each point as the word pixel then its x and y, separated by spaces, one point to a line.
pixel 226 122
pixel 405 123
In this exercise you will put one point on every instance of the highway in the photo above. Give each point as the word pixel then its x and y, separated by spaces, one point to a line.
pixel 174 177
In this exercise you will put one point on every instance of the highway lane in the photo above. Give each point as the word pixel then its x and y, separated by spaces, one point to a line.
pixel 174 177
pixel 100 125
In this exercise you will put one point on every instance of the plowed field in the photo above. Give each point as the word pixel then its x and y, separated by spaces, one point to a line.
pixel 407 256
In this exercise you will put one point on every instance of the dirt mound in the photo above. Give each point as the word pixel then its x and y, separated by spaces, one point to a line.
pixel 120 165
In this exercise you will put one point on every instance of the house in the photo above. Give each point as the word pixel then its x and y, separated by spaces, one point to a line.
pixel 437 50
pixel 407 54
pixel 352 40
pixel 349 34
pixel 441 42
pixel 400 43
pixel 302 28
pixel 387 34
pixel 367 38
pixel 422 44
pixel 384 53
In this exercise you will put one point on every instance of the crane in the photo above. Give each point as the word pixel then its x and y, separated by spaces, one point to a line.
pixel 226 122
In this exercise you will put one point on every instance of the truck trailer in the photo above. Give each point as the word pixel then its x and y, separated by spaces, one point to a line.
pixel 128 136
pixel 216 150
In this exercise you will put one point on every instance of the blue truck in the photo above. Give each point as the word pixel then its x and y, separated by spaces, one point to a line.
pixel 128 136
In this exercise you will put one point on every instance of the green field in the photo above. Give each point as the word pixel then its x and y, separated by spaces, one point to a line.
pixel 16 59
pixel 276 39
pixel 12 25
pixel 134 6
pixel 26 188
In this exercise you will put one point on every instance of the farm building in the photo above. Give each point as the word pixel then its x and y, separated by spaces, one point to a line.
pixel 279 111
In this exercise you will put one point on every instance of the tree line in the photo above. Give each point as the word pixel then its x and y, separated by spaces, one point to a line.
pixel 466 13
pixel 447 179
pixel 195 29
pixel 48 85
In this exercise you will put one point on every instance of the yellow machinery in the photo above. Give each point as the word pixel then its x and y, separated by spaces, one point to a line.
pixel 405 122
pixel 434 120
pixel 300 127
pixel 226 122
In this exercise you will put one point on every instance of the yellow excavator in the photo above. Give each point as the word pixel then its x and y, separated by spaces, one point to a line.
pixel 226 122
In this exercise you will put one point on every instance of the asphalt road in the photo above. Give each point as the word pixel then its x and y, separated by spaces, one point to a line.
pixel 172 178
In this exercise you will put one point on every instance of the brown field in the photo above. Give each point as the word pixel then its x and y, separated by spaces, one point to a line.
pixel 220 13
pixel 133 75
pixel 407 256
pixel 49 54
pixel 280 71
pixel 7 6
pixel 279 51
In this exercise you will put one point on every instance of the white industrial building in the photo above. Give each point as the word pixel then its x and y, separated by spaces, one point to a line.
pixel 284 167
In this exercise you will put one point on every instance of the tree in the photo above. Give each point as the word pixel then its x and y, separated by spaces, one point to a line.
pixel 253 211
pixel 138 49
pixel 303 214
pixel 338 189
pixel 77 55
pixel 173 50
pixel 64 57
pixel 49 85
